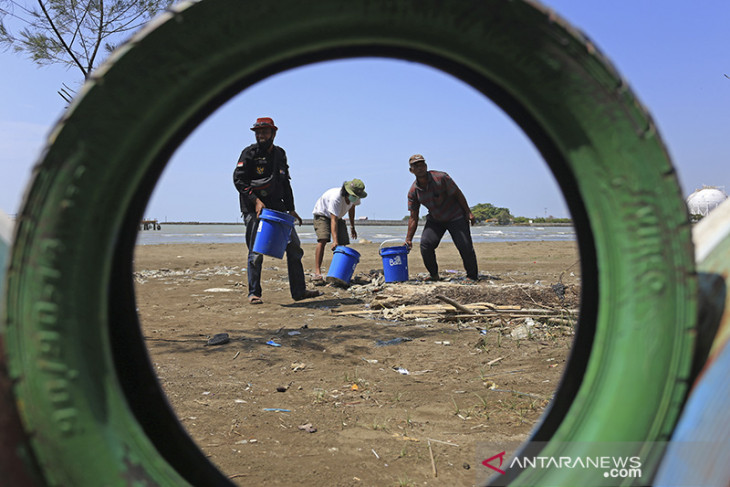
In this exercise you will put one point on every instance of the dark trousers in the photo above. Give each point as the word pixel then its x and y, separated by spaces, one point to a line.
pixel 294 254
pixel 460 233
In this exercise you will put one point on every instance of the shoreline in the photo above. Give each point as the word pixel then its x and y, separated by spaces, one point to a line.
pixel 384 223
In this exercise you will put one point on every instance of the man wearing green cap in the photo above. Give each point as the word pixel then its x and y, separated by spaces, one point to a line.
pixel 329 211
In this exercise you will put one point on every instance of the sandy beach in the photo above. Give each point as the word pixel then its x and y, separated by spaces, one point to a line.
pixel 348 388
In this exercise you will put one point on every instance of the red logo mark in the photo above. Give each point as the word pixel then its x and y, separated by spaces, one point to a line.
pixel 501 459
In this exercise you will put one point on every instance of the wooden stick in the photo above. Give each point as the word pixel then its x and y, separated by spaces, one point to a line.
pixel 444 442
pixel 453 303
pixel 433 463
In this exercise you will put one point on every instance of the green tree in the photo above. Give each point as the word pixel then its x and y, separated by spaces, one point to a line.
pixel 74 33
pixel 487 211
pixel 504 217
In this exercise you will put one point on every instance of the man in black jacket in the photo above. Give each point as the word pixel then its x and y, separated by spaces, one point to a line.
pixel 262 179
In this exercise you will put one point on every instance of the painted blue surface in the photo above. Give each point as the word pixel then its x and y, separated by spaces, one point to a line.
pixel 698 452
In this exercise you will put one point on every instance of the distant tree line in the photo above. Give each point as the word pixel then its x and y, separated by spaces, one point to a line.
pixel 487 212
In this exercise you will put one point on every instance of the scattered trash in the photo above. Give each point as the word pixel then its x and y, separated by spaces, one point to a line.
pixel 559 290
pixel 273 343
pixel 401 370
pixel 297 366
pixel 394 341
pixel 375 453
pixel 492 362
pixel 282 388
pixel 354 387
pixel 308 428
pixel 466 466
pixel 419 372
pixel 219 339
pixel 370 360
pixel 482 332
pixel 490 385
pixel 292 333
pixel 219 290
pixel 277 410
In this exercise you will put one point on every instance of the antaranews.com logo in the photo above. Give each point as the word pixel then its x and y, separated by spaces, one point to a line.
pixel 592 464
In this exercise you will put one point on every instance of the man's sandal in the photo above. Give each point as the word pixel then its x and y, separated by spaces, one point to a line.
pixel 255 300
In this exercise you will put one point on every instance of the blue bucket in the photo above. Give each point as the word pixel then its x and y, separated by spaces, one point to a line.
pixel 343 265
pixel 395 263
pixel 273 233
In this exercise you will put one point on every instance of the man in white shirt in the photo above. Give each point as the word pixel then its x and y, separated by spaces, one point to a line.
pixel 329 211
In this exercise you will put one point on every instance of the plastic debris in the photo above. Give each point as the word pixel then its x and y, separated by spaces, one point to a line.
pixel 394 341
pixel 273 343
pixel 401 370
pixel 219 339
pixel 308 428
pixel 218 290
pixel 277 410
pixel 559 290
pixel 292 333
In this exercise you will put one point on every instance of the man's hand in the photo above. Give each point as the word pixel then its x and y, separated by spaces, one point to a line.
pixel 353 232
pixel 472 220
pixel 409 244
pixel 334 246
pixel 295 215
pixel 259 206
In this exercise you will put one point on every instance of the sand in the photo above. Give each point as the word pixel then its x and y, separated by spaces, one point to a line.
pixel 486 375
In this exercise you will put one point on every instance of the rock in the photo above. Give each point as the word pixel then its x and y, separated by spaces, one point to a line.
pixel 219 339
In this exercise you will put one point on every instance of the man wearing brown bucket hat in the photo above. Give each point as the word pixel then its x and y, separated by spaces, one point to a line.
pixel 447 210
pixel 329 224
pixel 262 180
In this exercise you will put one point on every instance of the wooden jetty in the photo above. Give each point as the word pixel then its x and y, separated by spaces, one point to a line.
pixel 149 225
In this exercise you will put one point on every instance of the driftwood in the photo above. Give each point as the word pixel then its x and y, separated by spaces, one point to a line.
pixel 430 308
pixel 453 303
pixel 458 312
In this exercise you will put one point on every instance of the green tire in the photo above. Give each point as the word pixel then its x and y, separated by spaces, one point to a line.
pixel 92 421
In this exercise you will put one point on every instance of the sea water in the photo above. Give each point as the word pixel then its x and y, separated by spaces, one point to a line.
pixel 212 233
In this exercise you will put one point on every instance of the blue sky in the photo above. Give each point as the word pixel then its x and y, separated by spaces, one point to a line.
pixel 363 118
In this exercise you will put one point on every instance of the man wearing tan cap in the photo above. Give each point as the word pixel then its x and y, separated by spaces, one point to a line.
pixel 447 211
pixel 262 179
